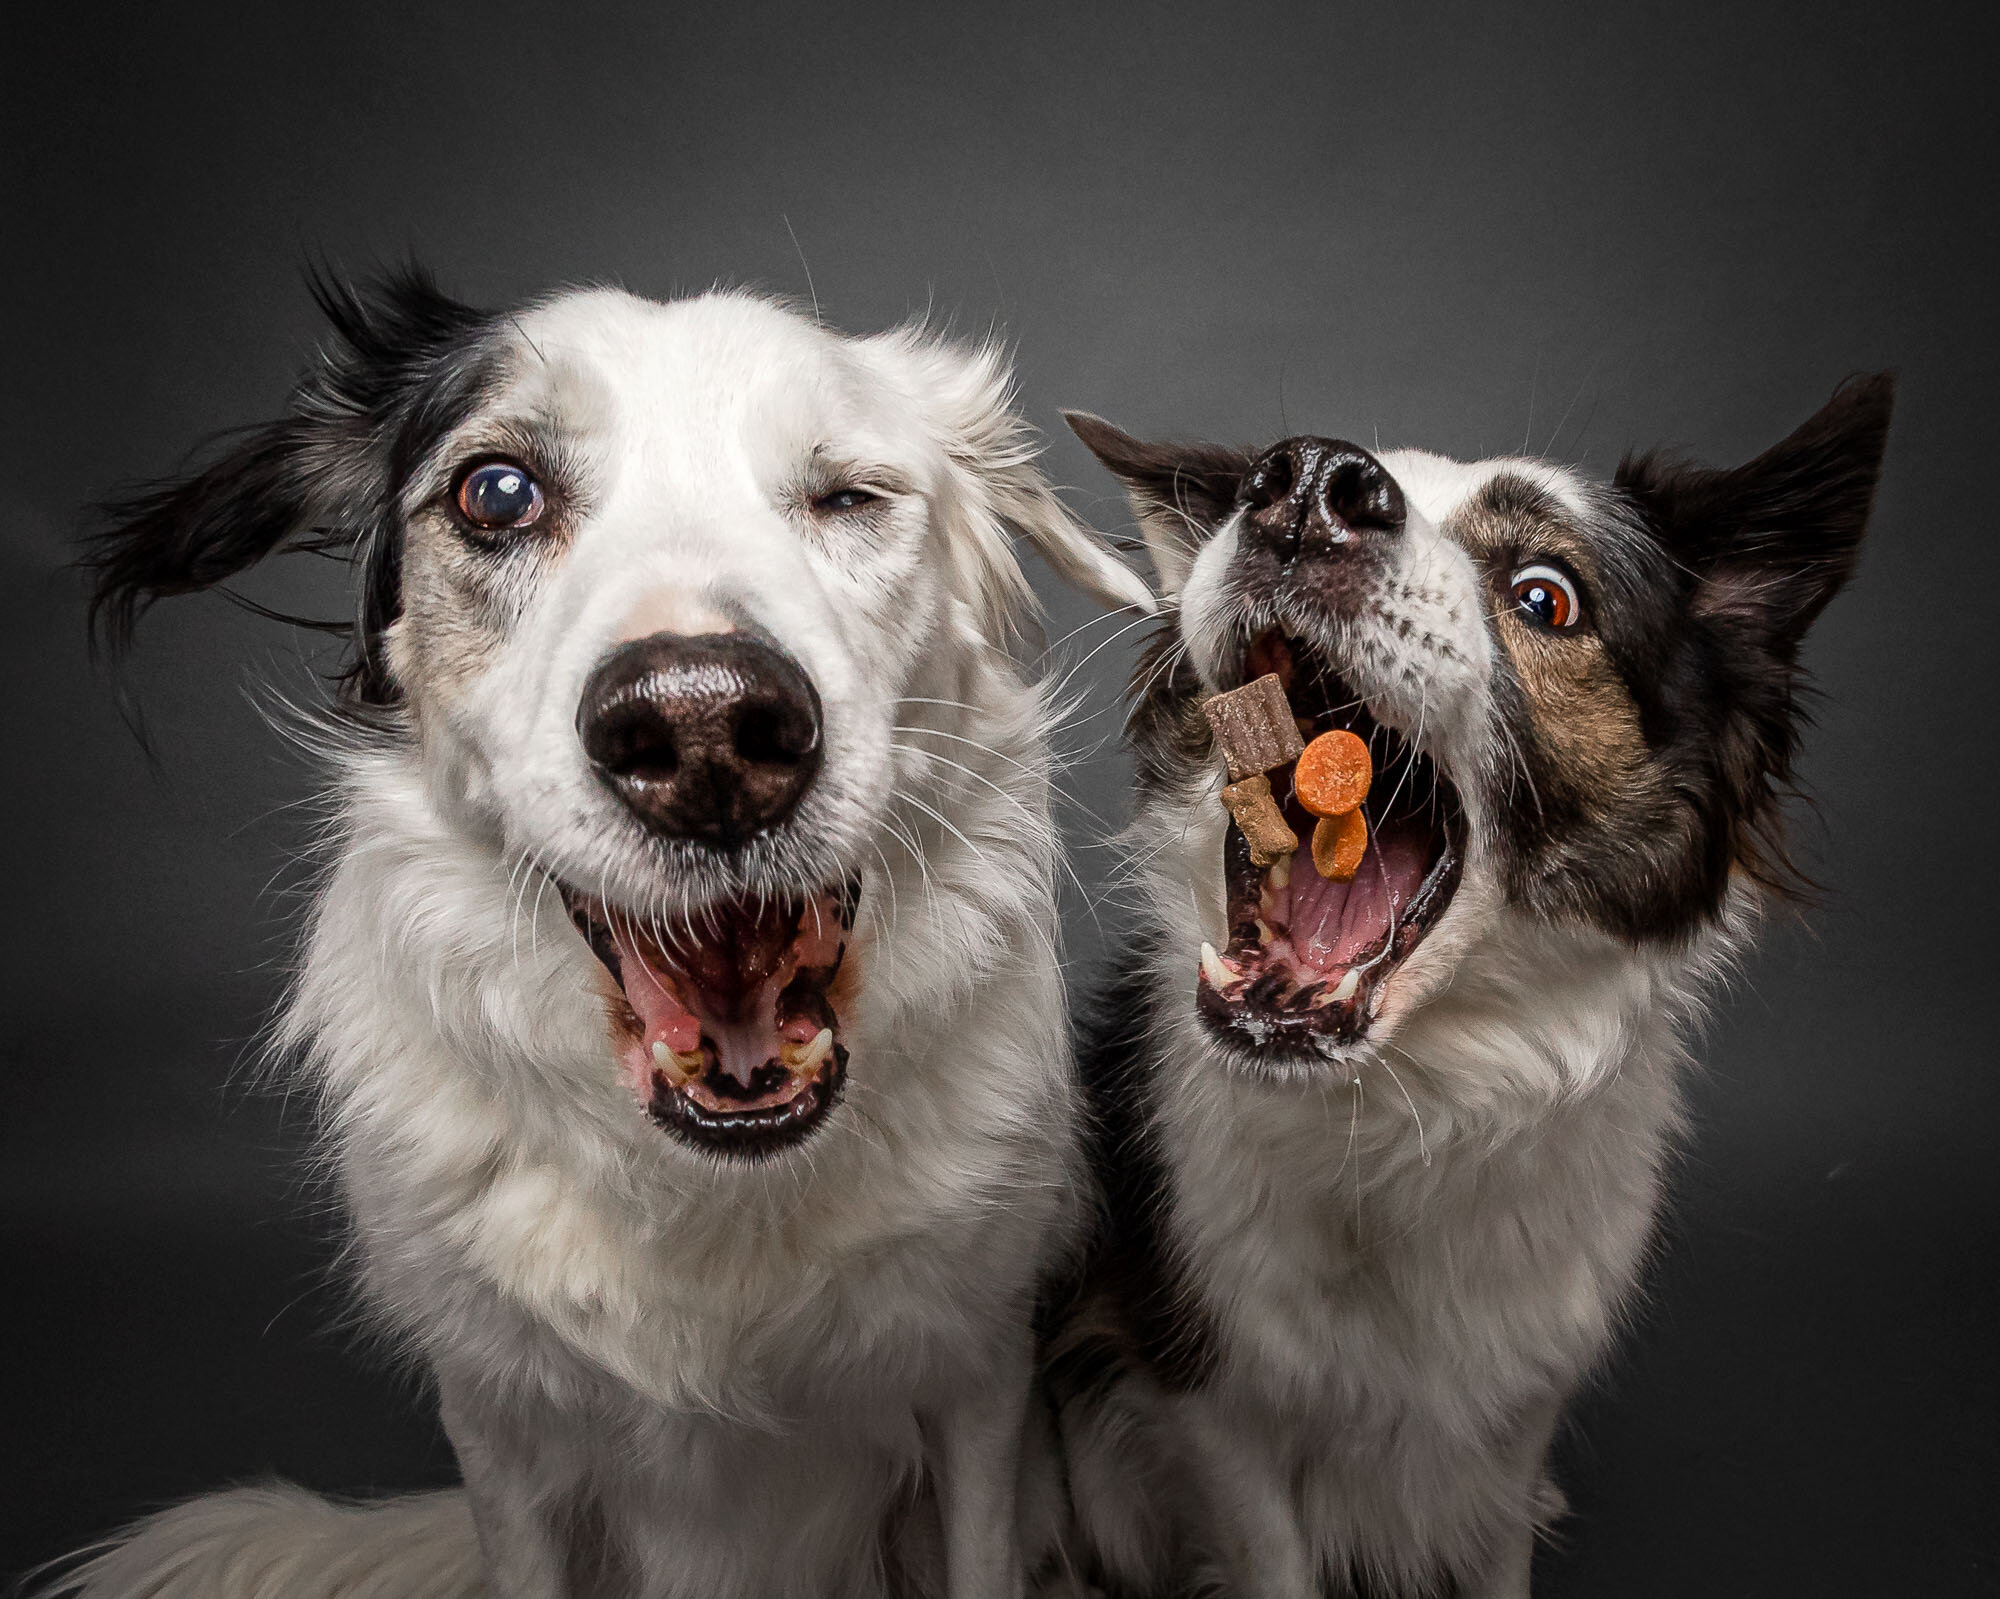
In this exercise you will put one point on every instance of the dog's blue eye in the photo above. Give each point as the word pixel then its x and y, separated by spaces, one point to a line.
pixel 1546 596
pixel 500 495
pixel 844 500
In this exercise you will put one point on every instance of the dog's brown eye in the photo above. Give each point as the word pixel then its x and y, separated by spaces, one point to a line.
pixel 1547 596
pixel 837 500
pixel 500 496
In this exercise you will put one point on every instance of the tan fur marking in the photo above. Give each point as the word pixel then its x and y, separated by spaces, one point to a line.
pixel 672 611
pixel 1584 716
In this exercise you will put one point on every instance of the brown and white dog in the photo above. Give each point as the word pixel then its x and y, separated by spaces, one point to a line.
pixel 1380 1159
pixel 682 991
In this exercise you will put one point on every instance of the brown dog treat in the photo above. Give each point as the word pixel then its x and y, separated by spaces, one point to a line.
pixel 1333 774
pixel 1270 836
pixel 1253 724
pixel 1339 842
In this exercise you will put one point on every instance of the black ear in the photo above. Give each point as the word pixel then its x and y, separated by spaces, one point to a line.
pixel 1771 541
pixel 1764 546
pixel 1180 492
pixel 403 365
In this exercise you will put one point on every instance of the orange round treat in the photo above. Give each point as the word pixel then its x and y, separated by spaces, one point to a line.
pixel 1339 842
pixel 1333 774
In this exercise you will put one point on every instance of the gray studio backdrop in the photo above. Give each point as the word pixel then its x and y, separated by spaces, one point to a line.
pixel 1565 230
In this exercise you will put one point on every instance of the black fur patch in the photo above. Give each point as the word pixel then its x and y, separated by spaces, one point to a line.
pixel 405 365
pixel 1770 542
pixel 1702 585
pixel 1131 1262
pixel 1197 482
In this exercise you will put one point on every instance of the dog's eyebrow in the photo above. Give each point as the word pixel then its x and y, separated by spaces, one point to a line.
pixel 1508 494
pixel 825 469
pixel 1510 510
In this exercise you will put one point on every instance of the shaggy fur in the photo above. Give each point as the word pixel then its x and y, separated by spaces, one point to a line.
pixel 1346 1280
pixel 665 1371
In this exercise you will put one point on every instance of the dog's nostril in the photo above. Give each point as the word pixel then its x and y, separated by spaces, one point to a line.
pixel 1358 492
pixel 1270 481
pixel 642 750
pixel 767 736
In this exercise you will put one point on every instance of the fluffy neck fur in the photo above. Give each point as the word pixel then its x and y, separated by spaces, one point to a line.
pixel 1377 1294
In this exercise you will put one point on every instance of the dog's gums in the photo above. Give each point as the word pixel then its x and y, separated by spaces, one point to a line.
pixel 729 1027
pixel 1308 956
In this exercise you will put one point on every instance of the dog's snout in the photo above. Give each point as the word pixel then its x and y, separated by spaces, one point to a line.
pixel 1311 496
pixel 713 737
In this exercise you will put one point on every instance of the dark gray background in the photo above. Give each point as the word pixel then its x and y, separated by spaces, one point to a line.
pixel 1571 229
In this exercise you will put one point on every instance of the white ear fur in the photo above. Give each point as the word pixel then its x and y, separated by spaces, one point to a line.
pixel 967 395
pixel 1171 540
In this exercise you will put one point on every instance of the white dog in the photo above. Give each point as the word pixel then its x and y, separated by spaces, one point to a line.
pixel 1381 1147
pixel 682 995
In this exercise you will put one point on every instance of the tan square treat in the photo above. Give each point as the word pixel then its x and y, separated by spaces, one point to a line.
pixel 1254 726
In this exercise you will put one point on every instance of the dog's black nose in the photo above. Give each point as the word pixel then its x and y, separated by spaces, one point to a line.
pixel 1311 496
pixel 712 737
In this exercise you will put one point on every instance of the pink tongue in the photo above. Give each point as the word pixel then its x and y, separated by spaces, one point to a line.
pixel 657 1006
pixel 1337 925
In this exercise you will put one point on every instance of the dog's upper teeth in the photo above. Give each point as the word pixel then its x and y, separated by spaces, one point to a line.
pixel 1212 968
pixel 804 1059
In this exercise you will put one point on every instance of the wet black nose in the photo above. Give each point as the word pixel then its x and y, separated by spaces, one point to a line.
pixel 712 737
pixel 1310 496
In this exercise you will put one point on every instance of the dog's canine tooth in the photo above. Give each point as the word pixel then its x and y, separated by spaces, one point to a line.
pixel 1212 968
pixel 804 1059
pixel 1348 984
pixel 681 1068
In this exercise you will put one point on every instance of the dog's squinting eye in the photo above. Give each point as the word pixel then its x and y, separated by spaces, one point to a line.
pixel 500 496
pixel 835 501
pixel 1546 596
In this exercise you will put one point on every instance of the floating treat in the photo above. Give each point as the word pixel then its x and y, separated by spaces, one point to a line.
pixel 1254 726
pixel 1270 836
pixel 1333 774
pixel 1338 844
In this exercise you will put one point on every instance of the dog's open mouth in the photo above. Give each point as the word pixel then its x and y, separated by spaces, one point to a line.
pixel 1308 956
pixel 730 1023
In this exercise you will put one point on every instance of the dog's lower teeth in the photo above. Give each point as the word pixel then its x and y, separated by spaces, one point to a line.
pixel 1264 933
pixel 681 1068
pixel 1348 985
pixel 804 1059
pixel 1280 874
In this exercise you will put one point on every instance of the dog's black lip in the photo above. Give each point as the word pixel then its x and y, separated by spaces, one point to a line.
pixel 742 1135
pixel 750 1135
pixel 1252 1024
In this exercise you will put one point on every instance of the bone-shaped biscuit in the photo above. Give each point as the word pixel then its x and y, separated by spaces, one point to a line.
pixel 1264 825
